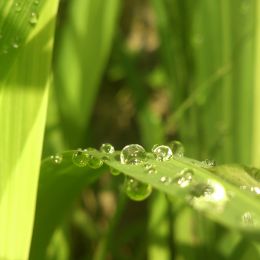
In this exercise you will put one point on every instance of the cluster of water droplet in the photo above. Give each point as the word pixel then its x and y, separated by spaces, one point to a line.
pixel 83 158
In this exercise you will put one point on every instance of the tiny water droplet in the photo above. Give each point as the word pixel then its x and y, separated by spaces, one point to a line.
pixel 80 158
pixel 107 148
pixel 162 153
pixel 94 162
pixel 151 170
pixel 185 178
pixel 136 190
pixel 166 180
pixel 57 159
pixel 114 171
pixel 247 218
pixel 177 148
pixel 208 163
pixel 33 18
pixel 18 7
pixel 133 154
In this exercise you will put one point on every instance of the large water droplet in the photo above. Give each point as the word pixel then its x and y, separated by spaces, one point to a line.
pixel 133 154
pixel 57 159
pixel 162 153
pixel 107 148
pixel 80 158
pixel 136 190
pixel 210 196
pixel 114 171
pixel 33 18
pixel 177 148
pixel 94 162
pixel 185 178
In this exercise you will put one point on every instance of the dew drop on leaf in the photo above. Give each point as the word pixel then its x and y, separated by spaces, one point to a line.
pixel 185 178
pixel 107 148
pixel 114 171
pixel 209 196
pixel 56 159
pixel 162 153
pixel 94 162
pixel 177 148
pixel 80 158
pixel 166 180
pixel 136 190
pixel 133 154
pixel 33 18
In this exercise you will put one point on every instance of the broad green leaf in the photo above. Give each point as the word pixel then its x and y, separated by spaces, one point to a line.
pixel 59 185
pixel 220 199
pixel 23 102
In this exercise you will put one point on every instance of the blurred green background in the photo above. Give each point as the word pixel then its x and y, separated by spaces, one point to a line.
pixel 150 71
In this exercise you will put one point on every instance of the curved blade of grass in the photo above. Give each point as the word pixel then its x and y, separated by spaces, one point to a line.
pixel 23 101
pixel 59 185
pixel 82 52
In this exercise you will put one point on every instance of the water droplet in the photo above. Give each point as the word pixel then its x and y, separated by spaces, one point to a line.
pixel 18 7
pixel 57 159
pixel 33 18
pixel 107 148
pixel 80 158
pixel 114 171
pixel 136 190
pixel 36 2
pixel 209 196
pixel 208 163
pixel 133 154
pixel 151 170
pixel 166 180
pixel 162 153
pixel 185 178
pixel 177 148
pixel 247 218
pixel 94 162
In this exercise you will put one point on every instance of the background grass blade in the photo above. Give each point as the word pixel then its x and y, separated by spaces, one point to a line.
pixel 23 103
pixel 88 29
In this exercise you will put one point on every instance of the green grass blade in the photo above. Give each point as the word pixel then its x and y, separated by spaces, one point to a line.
pixel 23 103
pixel 229 205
